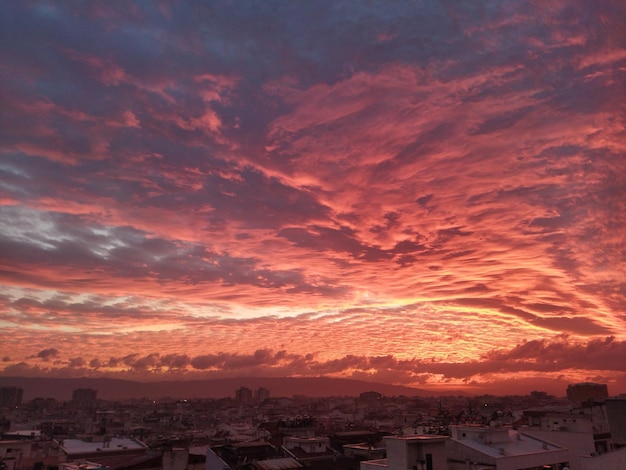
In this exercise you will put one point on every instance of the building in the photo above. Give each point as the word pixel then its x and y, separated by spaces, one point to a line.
pixel 84 397
pixel 419 452
pixel 240 453
pixel 284 463
pixel 370 396
pixel 83 465
pixel 310 451
pixel 616 415
pixel 214 461
pixel 501 448
pixel 25 450
pixel 10 397
pixel 584 431
pixel 609 461
pixel 303 426
pixel 102 451
pixel 179 458
pixel 261 394
pixel 587 391
pixel 364 451
pixel 243 395
pixel 538 395
pixel 470 448
pixel 339 440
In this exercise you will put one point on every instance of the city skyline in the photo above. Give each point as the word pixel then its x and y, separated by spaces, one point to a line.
pixel 418 193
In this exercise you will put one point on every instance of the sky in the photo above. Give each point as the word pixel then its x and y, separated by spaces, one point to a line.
pixel 425 193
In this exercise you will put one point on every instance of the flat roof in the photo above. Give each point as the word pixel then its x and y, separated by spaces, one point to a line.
pixel 517 444
pixel 363 446
pixel 116 444
pixel 24 433
pixel 353 433
pixel 249 444
pixel 419 438
pixel 306 439
pixel 278 464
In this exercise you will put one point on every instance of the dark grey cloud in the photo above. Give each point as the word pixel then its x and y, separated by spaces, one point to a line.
pixel 561 353
pixel 72 242
pixel 229 361
pixel 47 354
pixel 77 362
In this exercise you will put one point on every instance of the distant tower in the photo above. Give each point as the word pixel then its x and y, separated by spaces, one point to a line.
pixel 243 395
pixel 370 396
pixel 85 397
pixel 587 391
pixel 261 394
pixel 10 397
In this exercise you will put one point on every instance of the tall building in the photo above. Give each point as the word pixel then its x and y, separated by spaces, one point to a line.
pixel 243 395
pixel 537 395
pixel 84 396
pixel 370 396
pixel 10 397
pixel 587 391
pixel 261 394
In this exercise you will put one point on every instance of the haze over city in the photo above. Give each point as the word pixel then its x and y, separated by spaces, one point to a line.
pixel 419 193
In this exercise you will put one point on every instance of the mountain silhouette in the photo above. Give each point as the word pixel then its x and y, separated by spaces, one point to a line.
pixel 116 389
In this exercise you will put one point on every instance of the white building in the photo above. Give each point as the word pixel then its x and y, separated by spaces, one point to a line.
pixel 421 452
pixel 309 450
pixel 470 448
pixel 500 448
pixel 310 445
pixel 584 431
pixel 364 451
pixel 101 450
pixel 23 453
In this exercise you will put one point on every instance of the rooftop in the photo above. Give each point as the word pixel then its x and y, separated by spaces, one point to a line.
pixel 514 443
pixel 115 444
pixel 353 433
pixel 306 439
pixel 23 433
pixel 363 446
pixel 85 465
pixel 418 438
pixel 278 464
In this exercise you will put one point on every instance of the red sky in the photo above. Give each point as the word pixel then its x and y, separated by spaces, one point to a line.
pixel 423 193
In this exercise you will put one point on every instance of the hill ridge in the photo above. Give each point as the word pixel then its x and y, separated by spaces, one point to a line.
pixel 120 389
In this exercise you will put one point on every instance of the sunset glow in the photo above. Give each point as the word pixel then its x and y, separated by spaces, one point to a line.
pixel 422 193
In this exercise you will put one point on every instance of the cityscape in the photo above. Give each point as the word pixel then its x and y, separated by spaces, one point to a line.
pixel 253 430
pixel 312 235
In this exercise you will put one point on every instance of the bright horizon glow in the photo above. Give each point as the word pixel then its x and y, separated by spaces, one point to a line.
pixel 422 194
